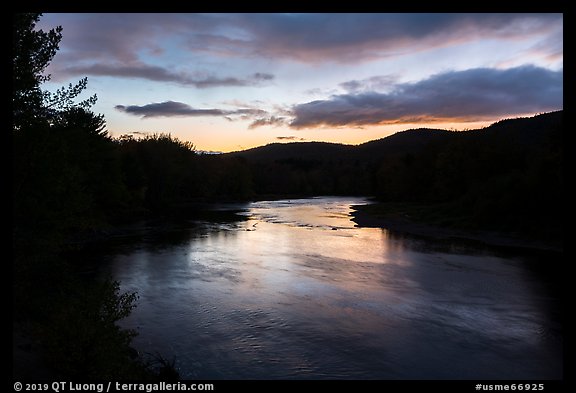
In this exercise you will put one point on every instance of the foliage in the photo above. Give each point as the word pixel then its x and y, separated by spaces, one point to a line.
pixel 81 336
pixel 66 178
pixel 165 369
pixel 159 170
pixel 33 50
pixel 64 97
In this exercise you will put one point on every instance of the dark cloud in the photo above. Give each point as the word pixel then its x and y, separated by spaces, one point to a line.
pixel 131 134
pixel 268 121
pixel 179 109
pixel 475 94
pixel 160 74
pixel 346 37
pixel 290 138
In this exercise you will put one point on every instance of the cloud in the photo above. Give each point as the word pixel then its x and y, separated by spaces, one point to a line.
pixel 161 74
pixel 254 104
pixel 309 38
pixel 268 121
pixel 122 37
pixel 551 47
pixel 179 109
pixel 262 76
pixel 125 45
pixel 471 95
pixel 290 138
pixel 351 37
pixel 375 83
pixel 316 91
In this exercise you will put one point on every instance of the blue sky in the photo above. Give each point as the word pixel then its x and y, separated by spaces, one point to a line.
pixel 233 81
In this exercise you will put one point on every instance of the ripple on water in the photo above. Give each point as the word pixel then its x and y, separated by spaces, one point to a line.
pixel 282 295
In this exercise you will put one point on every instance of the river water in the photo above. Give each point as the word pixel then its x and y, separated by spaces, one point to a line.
pixel 295 290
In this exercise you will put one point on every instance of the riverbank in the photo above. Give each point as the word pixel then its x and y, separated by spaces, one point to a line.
pixel 420 220
pixel 406 219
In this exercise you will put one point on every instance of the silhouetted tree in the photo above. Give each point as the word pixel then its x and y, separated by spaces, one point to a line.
pixel 33 50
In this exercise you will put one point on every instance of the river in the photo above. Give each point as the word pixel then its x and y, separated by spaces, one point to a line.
pixel 294 290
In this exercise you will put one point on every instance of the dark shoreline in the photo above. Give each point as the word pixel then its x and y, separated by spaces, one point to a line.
pixel 392 219
pixel 401 223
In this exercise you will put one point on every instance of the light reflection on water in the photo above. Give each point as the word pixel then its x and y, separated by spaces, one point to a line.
pixel 297 291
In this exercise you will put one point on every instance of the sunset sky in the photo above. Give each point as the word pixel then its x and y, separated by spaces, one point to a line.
pixel 233 81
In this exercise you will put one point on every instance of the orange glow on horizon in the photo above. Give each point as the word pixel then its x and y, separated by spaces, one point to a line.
pixel 233 137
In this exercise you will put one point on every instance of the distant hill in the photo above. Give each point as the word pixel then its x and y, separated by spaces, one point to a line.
pixel 296 150
pixel 410 141
pixel 524 131
pixel 401 142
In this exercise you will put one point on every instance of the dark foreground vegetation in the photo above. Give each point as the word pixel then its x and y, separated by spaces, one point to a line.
pixel 72 180
pixel 68 178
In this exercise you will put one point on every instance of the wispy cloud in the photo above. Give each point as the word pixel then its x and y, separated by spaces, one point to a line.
pixel 471 95
pixel 290 138
pixel 161 74
pixel 275 121
pixel 180 109
pixel 375 83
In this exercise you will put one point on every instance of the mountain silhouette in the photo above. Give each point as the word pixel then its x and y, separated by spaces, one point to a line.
pixel 527 131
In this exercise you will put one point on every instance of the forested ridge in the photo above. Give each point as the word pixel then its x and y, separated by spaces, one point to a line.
pixel 508 176
pixel 71 177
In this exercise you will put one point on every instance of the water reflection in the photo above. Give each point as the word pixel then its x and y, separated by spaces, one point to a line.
pixel 297 291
